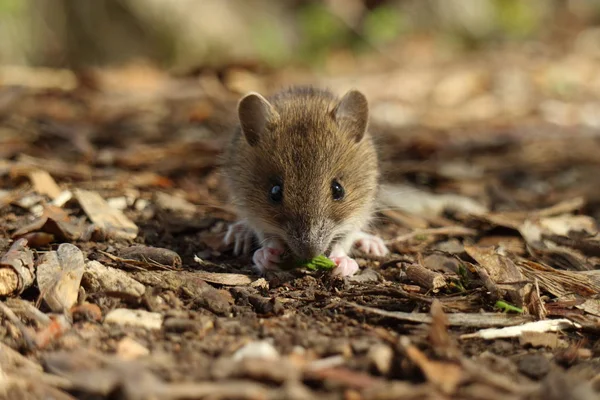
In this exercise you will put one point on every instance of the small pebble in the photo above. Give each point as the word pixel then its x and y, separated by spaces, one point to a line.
pixel 535 366
pixel 262 349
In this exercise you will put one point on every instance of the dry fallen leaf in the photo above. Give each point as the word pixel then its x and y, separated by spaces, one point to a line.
pixel 59 275
pixel 503 274
pixel 112 221
pixel 53 221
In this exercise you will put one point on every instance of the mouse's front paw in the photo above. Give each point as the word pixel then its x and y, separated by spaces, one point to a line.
pixel 267 258
pixel 371 244
pixel 346 266
pixel 241 236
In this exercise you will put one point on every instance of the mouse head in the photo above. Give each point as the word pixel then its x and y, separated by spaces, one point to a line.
pixel 305 168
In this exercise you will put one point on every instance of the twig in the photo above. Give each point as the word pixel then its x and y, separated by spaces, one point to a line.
pixel 481 320
pixel 425 278
pixel 29 338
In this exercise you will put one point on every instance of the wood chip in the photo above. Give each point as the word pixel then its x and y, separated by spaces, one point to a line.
pixel 43 183
pixel 16 269
pixel 137 318
pixel 425 278
pixel 113 222
pixel 98 278
pixel 59 275
pixel 151 255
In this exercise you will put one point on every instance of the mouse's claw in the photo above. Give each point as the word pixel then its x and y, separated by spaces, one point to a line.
pixel 371 244
pixel 346 266
pixel 267 258
pixel 241 236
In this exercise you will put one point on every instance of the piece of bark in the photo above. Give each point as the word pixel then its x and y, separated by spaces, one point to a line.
pixel 112 221
pixel 98 278
pixel 43 183
pixel 59 275
pixel 151 255
pixel 16 269
pixel 425 278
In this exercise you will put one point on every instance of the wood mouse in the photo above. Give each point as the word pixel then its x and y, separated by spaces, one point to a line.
pixel 302 172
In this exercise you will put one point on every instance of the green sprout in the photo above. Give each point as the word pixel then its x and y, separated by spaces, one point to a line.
pixel 318 263
pixel 506 307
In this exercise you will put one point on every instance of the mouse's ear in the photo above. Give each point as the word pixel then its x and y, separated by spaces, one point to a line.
pixel 352 114
pixel 255 114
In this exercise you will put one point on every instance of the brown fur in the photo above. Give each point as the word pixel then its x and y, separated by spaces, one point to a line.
pixel 305 148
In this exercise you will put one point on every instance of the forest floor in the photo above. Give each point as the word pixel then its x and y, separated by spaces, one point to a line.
pixel 116 283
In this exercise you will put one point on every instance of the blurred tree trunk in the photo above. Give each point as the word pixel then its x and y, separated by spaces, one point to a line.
pixel 76 33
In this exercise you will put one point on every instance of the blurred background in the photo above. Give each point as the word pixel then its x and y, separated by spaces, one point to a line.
pixel 186 34
pixel 460 90
pixel 430 62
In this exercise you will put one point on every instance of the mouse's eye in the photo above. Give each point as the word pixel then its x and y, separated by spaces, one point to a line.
pixel 276 193
pixel 337 190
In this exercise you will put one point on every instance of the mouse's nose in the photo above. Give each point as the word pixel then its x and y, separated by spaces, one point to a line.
pixel 308 244
pixel 306 250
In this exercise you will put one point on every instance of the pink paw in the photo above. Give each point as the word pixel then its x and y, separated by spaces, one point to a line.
pixel 241 236
pixel 267 258
pixel 370 244
pixel 346 266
